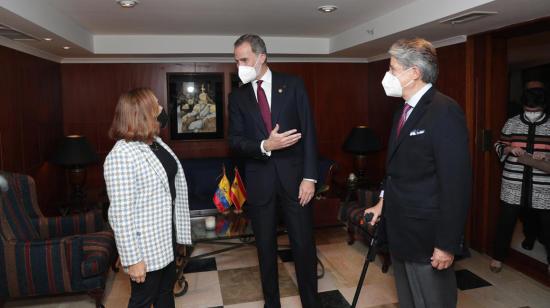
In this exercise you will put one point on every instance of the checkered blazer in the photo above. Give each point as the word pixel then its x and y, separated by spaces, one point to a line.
pixel 140 210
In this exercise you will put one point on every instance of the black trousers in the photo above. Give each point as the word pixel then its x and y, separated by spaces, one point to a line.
pixel 531 224
pixel 419 285
pixel 157 290
pixel 505 229
pixel 299 223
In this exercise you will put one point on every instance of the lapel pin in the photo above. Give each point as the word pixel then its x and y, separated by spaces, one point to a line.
pixel 280 90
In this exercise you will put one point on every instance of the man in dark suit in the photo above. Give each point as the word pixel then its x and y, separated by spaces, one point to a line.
pixel 427 187
pixel 271 124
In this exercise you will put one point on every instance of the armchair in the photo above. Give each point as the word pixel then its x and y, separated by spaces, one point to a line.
pixel 50 255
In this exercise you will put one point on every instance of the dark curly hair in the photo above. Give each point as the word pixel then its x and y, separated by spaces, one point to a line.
pixel 534 98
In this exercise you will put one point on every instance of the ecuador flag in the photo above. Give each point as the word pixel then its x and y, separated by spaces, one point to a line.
pixel 221 197
pixel 238 192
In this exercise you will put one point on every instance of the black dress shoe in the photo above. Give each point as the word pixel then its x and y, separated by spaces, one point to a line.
pixel 528 244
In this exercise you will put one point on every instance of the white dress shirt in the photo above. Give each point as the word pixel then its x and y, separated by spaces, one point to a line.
pixel 413 101
pixel 267 83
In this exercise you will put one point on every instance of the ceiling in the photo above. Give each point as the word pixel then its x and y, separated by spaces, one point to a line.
pixel 224 17
pixel 165 30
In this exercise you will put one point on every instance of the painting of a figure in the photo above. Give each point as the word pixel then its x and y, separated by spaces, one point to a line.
pixel 196 105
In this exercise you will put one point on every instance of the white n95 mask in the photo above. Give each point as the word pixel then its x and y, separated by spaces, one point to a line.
pixel 533 116
pixel 248 73
pixel 392 85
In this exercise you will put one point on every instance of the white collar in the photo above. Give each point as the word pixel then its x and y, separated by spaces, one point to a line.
pixel 413 101
pixel 267 77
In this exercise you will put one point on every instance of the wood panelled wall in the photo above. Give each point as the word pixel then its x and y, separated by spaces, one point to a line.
pixel 337 92
pixel 343 95
pixel 31 121
pixel 42 101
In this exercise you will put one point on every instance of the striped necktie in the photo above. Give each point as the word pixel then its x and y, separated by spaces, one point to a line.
pixel 403 118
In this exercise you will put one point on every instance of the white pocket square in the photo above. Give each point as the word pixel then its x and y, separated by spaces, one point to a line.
pixel 417 132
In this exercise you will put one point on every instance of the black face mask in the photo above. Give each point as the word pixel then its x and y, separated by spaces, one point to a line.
pixel 162 118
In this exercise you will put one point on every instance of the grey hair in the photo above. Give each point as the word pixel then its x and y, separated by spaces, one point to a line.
pixel 256 43
pixel 417 52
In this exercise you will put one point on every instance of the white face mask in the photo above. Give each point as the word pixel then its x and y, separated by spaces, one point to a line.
pixel 248 73
pixel 392 85
pixel 533 116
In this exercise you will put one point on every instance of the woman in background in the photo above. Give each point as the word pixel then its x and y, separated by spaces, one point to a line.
pixel 526 134
pixel 149 209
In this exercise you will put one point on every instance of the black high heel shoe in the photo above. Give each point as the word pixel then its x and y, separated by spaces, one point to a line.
pixel 528 244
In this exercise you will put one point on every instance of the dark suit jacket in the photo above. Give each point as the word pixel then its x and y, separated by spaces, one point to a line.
pixel 427 186
pixel 290 109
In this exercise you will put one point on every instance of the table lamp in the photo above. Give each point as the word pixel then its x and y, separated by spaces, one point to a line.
pixel 75 153
pixel 360 141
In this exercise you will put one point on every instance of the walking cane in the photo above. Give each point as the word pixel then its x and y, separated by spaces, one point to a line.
pixel 371 254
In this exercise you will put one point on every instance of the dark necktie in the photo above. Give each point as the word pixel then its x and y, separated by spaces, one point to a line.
pixel 403 118
pixel 264 107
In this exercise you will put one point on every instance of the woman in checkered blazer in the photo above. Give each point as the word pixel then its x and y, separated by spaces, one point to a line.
pixel 149 209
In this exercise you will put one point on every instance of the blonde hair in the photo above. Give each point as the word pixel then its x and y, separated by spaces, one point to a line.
pixel 136 116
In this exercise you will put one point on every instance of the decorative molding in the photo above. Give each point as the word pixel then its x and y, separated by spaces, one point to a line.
pixel 194 59
pixel 450 41
pixel 29 50
pixel 437 44
pixel 379 57
pixel 44 15
pixel 211 60
pixel 407 17
pixel 202 44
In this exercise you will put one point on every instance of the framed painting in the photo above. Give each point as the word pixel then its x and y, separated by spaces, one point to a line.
pixel 195 105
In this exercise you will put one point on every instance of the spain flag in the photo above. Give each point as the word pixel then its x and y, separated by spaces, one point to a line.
pixel 221 196
pixel 238 192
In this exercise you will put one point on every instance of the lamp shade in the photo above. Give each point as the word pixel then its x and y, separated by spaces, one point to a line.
pixel 74 150
pixel 361 140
